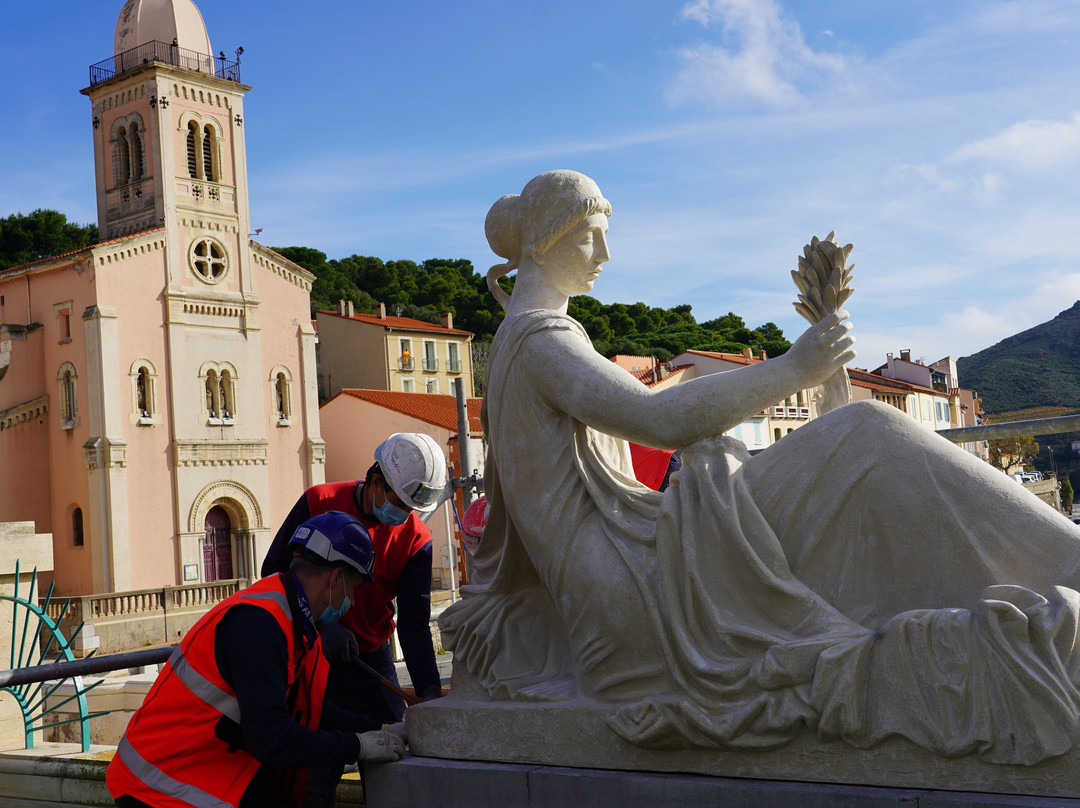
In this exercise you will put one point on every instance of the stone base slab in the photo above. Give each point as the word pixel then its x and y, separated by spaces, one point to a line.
pixel 576 735
pixel 466 784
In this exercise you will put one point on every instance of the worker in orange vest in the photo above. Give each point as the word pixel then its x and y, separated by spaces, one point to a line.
pixel 237 716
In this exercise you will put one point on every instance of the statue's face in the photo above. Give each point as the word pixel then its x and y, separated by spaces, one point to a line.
pixel 573 263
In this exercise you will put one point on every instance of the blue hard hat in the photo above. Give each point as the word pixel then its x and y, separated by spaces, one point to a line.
pixel 336 537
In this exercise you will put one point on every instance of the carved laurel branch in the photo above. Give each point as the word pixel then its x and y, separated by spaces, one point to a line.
pixel 823 278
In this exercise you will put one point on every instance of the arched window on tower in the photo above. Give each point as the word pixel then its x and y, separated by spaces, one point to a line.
pixel 207 154
pixel 136 155
pixel 192 162
pixel 122 166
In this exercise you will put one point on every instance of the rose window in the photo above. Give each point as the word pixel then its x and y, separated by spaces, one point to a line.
pixel 208 260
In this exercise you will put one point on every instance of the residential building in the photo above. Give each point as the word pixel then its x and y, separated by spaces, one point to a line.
pixel 354 422
pixel 938 401
pixel 387 352
pixel 767 426
pixel 651 372
pixel 158 413
pixel 929 402
pixel 866 385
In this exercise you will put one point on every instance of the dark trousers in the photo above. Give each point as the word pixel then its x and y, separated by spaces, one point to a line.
pixel 352 688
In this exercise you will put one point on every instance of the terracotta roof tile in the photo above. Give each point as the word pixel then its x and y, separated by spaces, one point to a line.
pixel 437 409
pixel 729 357
pixel 874 381
pixel 645 376
pixel 401 323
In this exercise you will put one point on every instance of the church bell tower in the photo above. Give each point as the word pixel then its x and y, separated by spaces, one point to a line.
pixel 168 129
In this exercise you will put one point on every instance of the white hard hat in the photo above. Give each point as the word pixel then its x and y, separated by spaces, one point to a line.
pixel 413 466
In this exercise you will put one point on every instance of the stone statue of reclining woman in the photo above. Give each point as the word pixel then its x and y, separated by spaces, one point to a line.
pixel 862 578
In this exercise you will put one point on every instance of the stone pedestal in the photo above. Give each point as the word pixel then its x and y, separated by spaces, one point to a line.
pixel 466 784
pixel 574 734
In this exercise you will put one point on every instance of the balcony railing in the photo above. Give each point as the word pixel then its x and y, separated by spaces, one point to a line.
pixel 453 365
pixel 164 53
pixel 405 363
pixel 121 604
pixel 144 616
pixel 790 412
pixel 431 363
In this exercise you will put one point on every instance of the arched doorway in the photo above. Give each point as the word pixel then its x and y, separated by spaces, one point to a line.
pixel 217 547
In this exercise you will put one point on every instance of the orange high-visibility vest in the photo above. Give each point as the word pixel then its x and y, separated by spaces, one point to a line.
pixel 170 754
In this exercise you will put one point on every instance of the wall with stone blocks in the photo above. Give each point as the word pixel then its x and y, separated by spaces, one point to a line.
pixel 47 782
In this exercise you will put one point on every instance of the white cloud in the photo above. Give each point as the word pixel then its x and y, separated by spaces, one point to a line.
pixel 1024 16
pixel 770 63
pixel 1031 145
pixel 973 327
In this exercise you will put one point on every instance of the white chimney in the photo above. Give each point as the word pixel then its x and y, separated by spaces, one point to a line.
pixel 447 319
pixel 382 311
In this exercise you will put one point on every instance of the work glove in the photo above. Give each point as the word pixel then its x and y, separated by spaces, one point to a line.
pixel 380 746
pixel 338 642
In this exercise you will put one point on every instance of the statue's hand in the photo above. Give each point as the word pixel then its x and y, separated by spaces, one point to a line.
pixel 823 349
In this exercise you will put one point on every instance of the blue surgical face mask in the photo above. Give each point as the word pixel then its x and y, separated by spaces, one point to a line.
pixel 330 615
pixel 388 513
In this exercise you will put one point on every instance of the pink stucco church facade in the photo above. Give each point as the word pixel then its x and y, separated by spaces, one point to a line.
pixel 158 390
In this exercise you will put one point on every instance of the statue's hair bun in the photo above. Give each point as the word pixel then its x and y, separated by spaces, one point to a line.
pixel 503 229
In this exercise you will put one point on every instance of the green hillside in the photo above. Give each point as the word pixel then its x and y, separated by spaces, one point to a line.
pixel 1039 367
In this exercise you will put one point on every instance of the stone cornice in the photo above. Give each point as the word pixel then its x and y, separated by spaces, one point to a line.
pixel 282 266
pixel 21 413
pixel 105 453
pixel 125 247
pixel 214 309
pixel 221 452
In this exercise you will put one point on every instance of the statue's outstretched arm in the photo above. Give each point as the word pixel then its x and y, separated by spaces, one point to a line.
pixel 574 378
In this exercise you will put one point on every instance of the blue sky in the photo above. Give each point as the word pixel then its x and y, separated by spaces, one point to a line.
pixel 941 137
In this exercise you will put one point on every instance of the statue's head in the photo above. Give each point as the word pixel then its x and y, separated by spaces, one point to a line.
pixel 530 223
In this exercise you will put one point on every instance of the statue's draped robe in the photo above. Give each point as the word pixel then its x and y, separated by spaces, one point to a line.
pixel 862 578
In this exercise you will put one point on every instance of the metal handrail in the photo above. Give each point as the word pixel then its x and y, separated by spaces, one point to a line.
pixel 157 51
pixel 84 667
pixel 1013 429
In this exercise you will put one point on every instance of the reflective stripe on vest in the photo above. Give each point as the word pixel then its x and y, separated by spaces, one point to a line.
pixel 202 687
pixel 277 597
pixel 162 783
